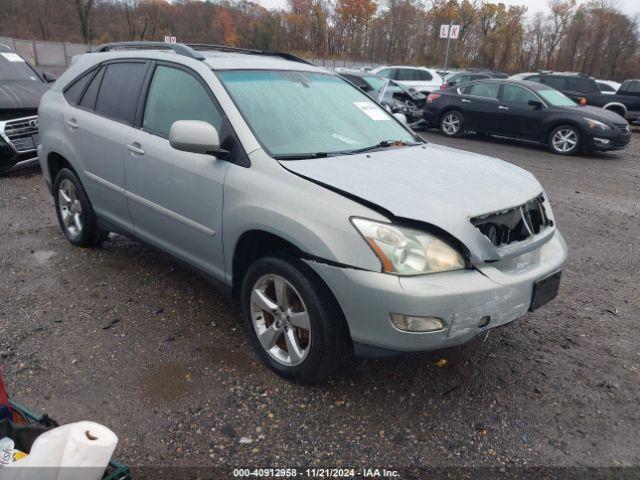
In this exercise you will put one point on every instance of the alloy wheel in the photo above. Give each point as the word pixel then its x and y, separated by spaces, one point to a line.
pixel 70 208
pixel 451 124
pixel 280 320
pixel 565 140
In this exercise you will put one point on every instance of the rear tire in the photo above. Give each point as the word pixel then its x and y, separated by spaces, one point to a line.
pixel 452 124
pixel 77 219
pixel 565 140
pixel 292 319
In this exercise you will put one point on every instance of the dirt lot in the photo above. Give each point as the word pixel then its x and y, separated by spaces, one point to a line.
pixel 125 336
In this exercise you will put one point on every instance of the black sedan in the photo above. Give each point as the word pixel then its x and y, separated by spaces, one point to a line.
pixel 527 111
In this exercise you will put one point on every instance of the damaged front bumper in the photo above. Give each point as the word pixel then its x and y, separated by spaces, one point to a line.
pixel 462 299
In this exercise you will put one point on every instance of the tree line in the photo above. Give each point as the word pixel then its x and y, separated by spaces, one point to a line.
pixel 594 37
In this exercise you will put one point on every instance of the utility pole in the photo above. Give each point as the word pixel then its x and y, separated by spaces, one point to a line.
pixel 446 55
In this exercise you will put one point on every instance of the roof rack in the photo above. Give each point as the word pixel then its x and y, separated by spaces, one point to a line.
pixel 191 49
pixel 250 51
pixel 178 48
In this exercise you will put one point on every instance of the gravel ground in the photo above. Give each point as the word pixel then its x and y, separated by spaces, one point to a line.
pixel 125 336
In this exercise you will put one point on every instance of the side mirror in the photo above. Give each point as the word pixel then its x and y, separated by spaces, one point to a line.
pixel 535 103
pixel 196 136
pixel 401 116
pixel 49 77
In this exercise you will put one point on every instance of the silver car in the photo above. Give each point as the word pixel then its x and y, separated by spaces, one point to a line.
pixel 338 230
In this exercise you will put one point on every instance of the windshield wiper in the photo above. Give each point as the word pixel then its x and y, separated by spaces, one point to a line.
pixel 300 156
pixel 385 144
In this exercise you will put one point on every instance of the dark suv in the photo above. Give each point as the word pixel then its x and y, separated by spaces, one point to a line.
pixel 21 88
pixel 577 86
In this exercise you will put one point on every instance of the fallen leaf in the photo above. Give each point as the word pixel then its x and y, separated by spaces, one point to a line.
pixel 441 363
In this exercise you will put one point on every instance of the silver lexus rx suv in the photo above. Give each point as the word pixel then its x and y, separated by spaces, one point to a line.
pixel 338 230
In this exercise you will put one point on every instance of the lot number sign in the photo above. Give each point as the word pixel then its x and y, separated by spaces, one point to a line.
pixel 449 31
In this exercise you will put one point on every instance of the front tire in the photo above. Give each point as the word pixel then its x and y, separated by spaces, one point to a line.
pixel 75 213
pixel 565 140
pixel 452 123
pixel 292 320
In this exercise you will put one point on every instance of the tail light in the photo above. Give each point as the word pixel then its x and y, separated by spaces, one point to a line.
pixel 432 97
pixel 444 86
pixel 583 102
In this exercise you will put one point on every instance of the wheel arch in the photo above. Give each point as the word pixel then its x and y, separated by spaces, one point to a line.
pixel 252 245
pixel 617 107
pixel 55 163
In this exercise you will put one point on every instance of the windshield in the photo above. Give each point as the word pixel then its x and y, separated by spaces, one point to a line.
pixel 308 113
pixel 556 98
pixel 13 67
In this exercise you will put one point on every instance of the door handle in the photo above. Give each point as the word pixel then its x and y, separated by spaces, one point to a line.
pixel 465 100
pixel 72 123
pixel 502 107
pixel 135 148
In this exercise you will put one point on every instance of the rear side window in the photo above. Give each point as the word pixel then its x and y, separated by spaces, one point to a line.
pixel 410 74
pixel 73 92
pixel 487 90
pixel 555 82
pixel 177 95
pixel 90 95
pixel 120 89
pixel 386 73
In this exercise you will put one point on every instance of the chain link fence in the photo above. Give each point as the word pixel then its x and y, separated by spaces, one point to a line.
pixel 55 57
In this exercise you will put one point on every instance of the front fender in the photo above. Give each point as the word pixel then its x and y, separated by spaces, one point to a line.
pixel 269 198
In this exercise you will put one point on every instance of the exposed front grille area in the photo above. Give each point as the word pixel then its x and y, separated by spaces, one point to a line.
pixel 623 128
pixel 515 224
pixel 21 134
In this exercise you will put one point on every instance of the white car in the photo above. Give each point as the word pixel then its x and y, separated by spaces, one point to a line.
pixel 424 80
pixel 608 87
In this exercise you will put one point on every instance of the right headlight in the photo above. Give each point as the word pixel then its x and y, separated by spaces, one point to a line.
pixel 404 251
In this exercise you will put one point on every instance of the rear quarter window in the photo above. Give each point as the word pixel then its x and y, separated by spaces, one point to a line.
pixel 74 91
pixel 90 95
pixel 120 90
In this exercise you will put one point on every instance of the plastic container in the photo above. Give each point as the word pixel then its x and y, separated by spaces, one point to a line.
pixel 115 470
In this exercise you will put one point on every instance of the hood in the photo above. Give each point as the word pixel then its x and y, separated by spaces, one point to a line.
pixel 437 185
pixel 602 115
pixel 21 94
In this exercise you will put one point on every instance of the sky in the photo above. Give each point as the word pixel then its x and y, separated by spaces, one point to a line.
pixel 630 7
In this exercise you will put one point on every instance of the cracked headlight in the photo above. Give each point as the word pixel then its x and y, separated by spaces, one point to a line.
pixel 404 251
pixel 595 124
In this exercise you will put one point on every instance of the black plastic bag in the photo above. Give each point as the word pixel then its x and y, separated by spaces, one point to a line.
pixel 23 435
